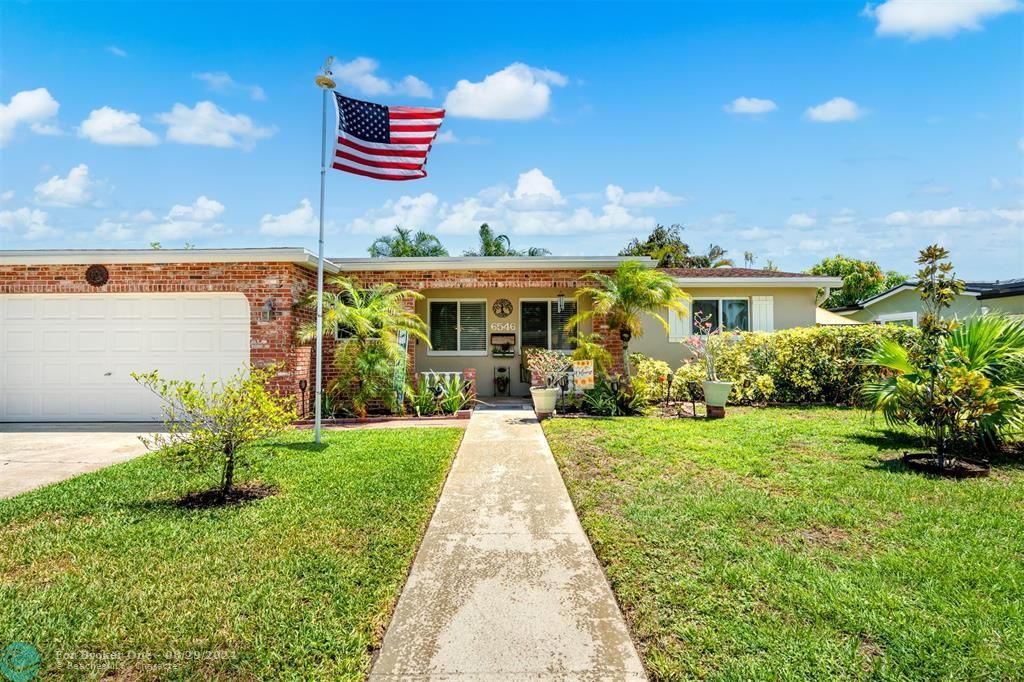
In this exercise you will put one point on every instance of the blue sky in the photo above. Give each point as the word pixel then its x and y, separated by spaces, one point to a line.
pixel 793 130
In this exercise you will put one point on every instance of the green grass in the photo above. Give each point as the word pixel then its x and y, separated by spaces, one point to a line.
pixel 296 586
pixel 788 544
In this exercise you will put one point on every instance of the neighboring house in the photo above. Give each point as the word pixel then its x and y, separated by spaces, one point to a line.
pixel 902 304
pixel 75 323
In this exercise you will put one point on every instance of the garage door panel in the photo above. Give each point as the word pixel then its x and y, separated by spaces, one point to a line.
pixel 19 341
pixel 70 357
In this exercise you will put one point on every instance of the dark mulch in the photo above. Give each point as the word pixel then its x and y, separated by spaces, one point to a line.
pixel 209 499
pixel 960 467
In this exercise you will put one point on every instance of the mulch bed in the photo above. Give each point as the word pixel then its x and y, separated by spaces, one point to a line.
pixel 376 419
pixel 959 467
pixel 210 499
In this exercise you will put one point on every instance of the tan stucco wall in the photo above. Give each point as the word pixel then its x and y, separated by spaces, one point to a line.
pixel 484 365
pixel 909 301
pixel 1009 305
pixel 793 307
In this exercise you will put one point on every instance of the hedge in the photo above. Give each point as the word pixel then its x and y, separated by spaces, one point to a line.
pixel 802 365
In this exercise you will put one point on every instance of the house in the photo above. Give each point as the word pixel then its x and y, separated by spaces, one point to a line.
pixel 76 323
pixel 902 304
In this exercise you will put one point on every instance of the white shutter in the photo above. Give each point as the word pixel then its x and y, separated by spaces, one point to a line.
pixel 763 313
pixel 678 326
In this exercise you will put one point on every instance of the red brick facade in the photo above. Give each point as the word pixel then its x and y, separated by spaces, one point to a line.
pixel 286 284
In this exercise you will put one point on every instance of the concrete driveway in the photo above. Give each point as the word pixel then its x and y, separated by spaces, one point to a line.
pixel 34 455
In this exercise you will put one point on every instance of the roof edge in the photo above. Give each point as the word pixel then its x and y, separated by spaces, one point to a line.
pixel 297 255
pixel 488 263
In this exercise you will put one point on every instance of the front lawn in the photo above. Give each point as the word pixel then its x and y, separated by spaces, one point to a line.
pixel 787 544
pixel 107 577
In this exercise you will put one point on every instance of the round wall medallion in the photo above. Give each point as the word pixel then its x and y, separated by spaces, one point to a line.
pixel 97 275
pixel 502 307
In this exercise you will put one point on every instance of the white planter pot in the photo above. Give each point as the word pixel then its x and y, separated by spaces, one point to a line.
pixel 544 399
pixel 716 392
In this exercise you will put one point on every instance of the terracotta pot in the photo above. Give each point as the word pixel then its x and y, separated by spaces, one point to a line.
pixel 716 393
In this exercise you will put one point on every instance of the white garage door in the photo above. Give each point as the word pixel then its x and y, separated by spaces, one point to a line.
pixel 68 357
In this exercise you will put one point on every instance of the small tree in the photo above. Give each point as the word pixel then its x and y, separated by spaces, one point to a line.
pixel 706 343
pixel 938 287
pixel 209 424
pixel 551 365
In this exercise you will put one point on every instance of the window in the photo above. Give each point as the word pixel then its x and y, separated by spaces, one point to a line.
pixel 458 327
pixel 543 324
pixel 902 319
pixel 727 314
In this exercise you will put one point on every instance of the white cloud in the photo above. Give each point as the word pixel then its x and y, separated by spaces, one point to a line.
pixel 537 207
pixel 108 230
pixel 301 221
pixel 813 245
pixel 143 216
pixel 446 137
pixel 116 51
pixel 919 20
pixel 7 196
pixel 536 192
pixel 846 216
pixel 415 212
pixel 801 220
pixel 27 223
pixel 517 92
pixel 655 198
pixel 834 110
pixel 112 126
pixel 750 105
pixel 30 107
pixel 74 190
pixel 946 217
pixel 756 233
pixel 194 220
pixel 360 73
pixel 220 81
pixel 208 124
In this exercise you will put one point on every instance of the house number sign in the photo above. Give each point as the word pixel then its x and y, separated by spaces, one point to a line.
pixel 502 307
pixel 503 326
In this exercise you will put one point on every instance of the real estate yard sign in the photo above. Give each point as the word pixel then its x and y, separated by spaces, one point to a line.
pixel 583 374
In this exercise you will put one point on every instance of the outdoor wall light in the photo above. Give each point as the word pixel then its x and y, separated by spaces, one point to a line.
pixel 267 310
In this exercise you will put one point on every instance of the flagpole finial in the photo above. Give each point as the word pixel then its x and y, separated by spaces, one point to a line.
pixel 324 80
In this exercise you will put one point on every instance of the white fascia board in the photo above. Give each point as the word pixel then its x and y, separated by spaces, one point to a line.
pixel 760 282
pixel 299 256
pixel 868 302
pixel 487 263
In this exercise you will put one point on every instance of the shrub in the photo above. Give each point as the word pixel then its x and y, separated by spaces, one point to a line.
pixel 210 424
pixel 801 365
pixel 612 397
pixel 591 347
pixel 650 378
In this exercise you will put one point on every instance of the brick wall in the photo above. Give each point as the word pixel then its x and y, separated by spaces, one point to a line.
pixel 286 284
pixel 270 342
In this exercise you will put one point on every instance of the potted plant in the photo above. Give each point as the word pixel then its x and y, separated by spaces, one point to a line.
pixel 705 345
pixel 549 367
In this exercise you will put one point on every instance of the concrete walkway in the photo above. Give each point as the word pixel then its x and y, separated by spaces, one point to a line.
pixel 505 585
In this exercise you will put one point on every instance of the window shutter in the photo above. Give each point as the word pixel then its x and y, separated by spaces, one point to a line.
pixel 678 326
pixel 472 326
pixel 763 315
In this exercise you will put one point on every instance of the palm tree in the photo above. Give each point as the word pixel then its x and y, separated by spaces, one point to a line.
pixel 986 355
pixel 625 297
pixel 492 244
pixel 714 258
pixel 373 318
pixel 405 244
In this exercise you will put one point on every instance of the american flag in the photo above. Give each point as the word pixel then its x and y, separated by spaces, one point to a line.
pixel 386 143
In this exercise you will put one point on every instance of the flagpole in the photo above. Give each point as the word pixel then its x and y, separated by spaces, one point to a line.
pixel 326 84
